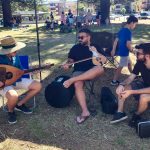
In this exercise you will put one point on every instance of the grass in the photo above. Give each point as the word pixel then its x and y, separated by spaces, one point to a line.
pixel 49 128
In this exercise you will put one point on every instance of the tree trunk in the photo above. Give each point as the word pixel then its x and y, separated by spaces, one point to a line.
pixel 7 15
pixel 105 9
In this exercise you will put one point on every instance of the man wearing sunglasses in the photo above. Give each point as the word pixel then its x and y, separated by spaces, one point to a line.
pixel 82 71
pixel 139 88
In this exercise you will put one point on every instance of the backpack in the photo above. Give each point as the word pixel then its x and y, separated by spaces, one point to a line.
pixel 108 101
pixel 57 95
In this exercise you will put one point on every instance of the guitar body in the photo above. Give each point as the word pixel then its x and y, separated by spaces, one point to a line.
pixel 99 60
pixel 10 74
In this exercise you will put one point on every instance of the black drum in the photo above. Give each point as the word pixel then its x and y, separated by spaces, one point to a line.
pixel 57 95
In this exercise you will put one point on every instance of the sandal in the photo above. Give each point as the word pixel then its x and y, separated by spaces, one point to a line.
pixel 82 119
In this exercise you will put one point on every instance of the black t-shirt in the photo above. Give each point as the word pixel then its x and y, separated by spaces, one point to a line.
pixel 80 52
pixel 145 72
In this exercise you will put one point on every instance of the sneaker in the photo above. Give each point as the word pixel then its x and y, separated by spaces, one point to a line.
pixel 118 116
pixel 114 82
pixel 134 121
pixel 12 118
pixel 24 109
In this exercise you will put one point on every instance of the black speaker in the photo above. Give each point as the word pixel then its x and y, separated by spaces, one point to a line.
pixel 57 95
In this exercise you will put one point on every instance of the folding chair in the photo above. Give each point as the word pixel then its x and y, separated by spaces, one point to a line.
pixel 89 86
pixel 25 64
pixel 104 40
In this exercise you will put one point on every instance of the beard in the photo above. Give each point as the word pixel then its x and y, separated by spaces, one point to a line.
pixel 142 60
pixel 83 43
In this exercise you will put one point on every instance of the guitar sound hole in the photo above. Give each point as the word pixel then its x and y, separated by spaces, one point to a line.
pixel 9 75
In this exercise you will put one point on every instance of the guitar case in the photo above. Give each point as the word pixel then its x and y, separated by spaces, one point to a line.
pixel 57 95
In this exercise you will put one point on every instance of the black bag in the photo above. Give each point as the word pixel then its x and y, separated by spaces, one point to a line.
pixel 57 95
pixel 108 101
pixel 143 129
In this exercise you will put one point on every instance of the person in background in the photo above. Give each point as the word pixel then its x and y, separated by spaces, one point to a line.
pixel 88 18
pixel 13 22
pixel 47 22
pixel 62 18
pixel 124 42
pixel 79 20
pixel 98 17
pixel 70 17
pixel 51 16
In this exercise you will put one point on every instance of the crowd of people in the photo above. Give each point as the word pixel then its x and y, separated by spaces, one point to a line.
pixel 69 20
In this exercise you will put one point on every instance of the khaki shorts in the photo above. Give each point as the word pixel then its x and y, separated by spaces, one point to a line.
pixel 124 61
pixel 23 84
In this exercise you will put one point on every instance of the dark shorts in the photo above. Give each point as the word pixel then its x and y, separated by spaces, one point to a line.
pixel 136 85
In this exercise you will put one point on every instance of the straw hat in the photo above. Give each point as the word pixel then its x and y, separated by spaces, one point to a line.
pixel 9 45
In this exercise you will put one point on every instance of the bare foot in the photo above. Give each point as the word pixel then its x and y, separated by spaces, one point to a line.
pixel 67 83
pixel 80 119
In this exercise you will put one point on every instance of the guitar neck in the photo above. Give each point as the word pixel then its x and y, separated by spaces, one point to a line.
pixel 38 68
pixel 81 61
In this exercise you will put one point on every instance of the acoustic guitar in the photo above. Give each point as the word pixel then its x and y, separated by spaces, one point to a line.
pixel 98 59
pixel 10 74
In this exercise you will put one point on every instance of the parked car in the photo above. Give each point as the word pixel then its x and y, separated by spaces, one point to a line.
pixel 115 16
pixel 137 15
pixel 144 15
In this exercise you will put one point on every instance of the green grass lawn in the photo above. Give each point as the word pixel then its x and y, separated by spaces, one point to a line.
pixel 49 128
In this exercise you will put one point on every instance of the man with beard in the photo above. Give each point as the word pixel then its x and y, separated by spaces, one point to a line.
pixel 139 88
pixel 82 71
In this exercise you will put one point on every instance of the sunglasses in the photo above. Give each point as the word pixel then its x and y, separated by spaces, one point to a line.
pixel 138 53
pixel 81 37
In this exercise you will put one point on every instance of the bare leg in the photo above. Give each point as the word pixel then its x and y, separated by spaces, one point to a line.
pixel 143 103
pixel 12 97
pixel 34 88
pixel 88 75
pixel 121 101
pixel 80 95
pixel 117 73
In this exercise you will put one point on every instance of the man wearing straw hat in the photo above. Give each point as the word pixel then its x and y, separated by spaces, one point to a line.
pixel 8 56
